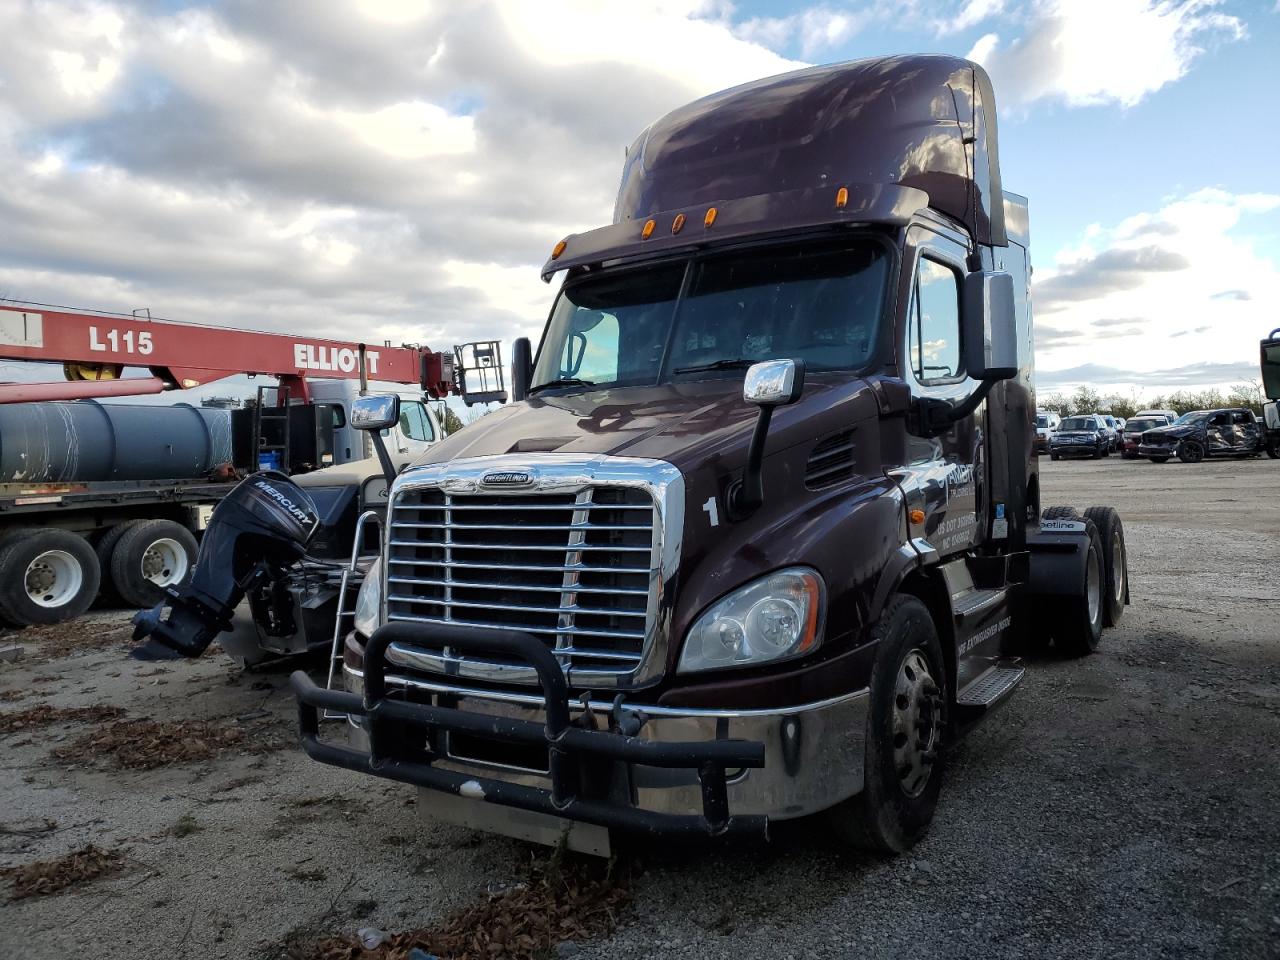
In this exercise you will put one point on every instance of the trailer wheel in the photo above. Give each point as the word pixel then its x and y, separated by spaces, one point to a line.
pixel 150 556
pixel 1060 513
pixel 46 576
pixel 1190 451
pixel 906 725
pixel 105 546
pixel 1115 563
pixel 1075 621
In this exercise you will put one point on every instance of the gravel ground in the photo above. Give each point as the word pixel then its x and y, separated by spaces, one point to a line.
pixel 1122 805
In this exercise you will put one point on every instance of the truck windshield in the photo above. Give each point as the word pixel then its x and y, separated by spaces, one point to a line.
pixel 1042 421
pixel 698 318
pixel 1195 416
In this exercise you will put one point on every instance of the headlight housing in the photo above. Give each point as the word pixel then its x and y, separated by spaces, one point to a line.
pixel 369 601
pixel 777 617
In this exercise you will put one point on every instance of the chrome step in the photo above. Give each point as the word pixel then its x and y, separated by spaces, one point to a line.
pixel 975 602
pixel 990 688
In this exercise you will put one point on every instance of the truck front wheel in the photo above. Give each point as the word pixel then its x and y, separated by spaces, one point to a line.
pixel 46 576
pixel 906 725
pixel 150 556
pixel 1191 451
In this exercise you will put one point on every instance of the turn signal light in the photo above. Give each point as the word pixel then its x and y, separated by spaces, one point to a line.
pixel 677 224
pixel 647 232
pixel 917 516
pixel 710 218
pixel 558 249
pixel 842 198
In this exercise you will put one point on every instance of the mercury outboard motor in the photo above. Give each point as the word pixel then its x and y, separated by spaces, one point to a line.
pixel 257 532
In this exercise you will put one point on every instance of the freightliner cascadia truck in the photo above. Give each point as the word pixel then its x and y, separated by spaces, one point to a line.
pixel 762 535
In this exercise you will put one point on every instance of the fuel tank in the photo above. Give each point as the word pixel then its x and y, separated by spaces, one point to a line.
pixel 86 440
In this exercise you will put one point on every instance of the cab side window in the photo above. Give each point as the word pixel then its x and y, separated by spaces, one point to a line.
pixel 1242 419
pixel 933 331
pixel 414 422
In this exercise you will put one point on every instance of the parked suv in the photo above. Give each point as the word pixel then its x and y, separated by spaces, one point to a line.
pixel 1133 431
pixel 1204 433
pixel 1084 436
pixel 1046 423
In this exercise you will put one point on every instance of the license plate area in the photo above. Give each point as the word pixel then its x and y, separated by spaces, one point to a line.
pixel 486 752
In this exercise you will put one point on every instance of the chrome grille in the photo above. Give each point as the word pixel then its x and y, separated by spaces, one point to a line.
pixel 576 568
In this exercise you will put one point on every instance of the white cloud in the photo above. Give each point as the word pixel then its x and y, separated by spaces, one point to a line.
pixel 1159 289
pixel 815 30
pixel 1103 51
pixel 970 15
pixel 373 170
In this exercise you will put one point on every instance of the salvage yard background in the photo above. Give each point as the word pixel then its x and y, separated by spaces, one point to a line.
pixel 1123 805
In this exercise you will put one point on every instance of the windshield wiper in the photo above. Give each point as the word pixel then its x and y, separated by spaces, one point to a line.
pixel 717 365
pixel 562 382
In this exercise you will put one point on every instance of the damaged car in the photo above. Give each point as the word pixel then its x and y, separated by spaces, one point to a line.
pixel 1204 433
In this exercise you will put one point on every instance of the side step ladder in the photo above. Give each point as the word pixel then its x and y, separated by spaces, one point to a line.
pixel 348 591
pixel 991 689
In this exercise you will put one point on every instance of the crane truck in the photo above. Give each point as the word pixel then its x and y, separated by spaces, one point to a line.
pixel 762 534
pixel 108 499
pixel 1271 387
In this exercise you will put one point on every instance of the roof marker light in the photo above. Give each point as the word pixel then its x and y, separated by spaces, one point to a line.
pixel 710 218
pixel 647 232
pixel 677 224
pixel 842 198
pixel 558 249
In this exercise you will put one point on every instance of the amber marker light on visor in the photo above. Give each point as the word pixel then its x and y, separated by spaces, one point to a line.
pixel 842 198
pixel 677 224
pixel 558 249
pixel 710 218
pixel 647 232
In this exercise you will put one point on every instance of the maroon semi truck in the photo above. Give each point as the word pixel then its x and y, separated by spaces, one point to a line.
pixel 763 535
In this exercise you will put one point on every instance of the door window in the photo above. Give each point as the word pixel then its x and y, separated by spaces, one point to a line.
pixel 934 323
pixel 414 422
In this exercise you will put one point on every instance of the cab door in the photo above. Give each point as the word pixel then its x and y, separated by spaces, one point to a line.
pixel 416 430
pixel 944 473
pixel 1219 433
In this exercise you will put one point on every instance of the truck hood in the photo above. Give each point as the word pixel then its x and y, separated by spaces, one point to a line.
pixel 683 424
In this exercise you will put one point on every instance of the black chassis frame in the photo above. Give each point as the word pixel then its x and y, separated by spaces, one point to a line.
pixel 583 762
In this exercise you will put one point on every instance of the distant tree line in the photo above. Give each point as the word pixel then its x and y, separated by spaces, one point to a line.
pixel 1089 400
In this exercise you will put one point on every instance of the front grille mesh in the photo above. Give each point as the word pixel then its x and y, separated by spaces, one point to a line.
pixel 574 569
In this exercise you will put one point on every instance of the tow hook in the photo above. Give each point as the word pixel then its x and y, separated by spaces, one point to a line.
pixel 626 721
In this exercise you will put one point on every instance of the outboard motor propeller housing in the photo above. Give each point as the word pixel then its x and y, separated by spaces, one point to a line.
pixel 259 529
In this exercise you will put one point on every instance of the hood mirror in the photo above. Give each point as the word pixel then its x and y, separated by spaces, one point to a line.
pixel 774 383
pixel 375 412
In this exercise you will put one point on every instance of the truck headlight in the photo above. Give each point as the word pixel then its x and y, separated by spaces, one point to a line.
pixel 369 601
pixel 774 618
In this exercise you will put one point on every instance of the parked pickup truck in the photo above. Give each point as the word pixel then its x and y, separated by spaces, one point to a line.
pixel 763 535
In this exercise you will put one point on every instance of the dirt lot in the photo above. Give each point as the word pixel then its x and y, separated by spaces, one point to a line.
pixel 1124 805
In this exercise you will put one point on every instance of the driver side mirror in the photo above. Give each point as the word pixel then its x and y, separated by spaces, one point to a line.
pixel 376 412
pixel 990 326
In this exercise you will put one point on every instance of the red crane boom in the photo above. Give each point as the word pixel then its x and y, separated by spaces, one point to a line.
pixel 94 349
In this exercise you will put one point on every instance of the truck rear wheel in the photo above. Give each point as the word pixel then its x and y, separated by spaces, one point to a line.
pixel 1060 513
pixel 906 724
pixel 105 546
pixel 150 556
pixel 46 576
pixel 1190 451
pixel 1075 620
pixel 1115 563
pixel 1273 449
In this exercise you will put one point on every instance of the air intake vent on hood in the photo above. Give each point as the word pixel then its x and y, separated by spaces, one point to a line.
pixel 830 461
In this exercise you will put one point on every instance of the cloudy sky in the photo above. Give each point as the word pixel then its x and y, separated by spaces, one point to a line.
pixel 378 169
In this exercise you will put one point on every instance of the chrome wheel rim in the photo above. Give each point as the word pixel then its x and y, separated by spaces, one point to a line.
pixel 1119 566
pixel 164 562
pixel 53 579
pixel 917 723
pixel 1093 585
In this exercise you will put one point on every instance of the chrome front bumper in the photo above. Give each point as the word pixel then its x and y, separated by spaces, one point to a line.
pixel 813 751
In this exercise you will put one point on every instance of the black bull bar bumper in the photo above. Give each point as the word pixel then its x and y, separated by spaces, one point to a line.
pixel 579 759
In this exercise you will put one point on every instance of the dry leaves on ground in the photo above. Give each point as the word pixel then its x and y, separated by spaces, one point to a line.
pixel 147 744
pixel 58 640
pixel 45 715
pixel 49 876
pixel 578 900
